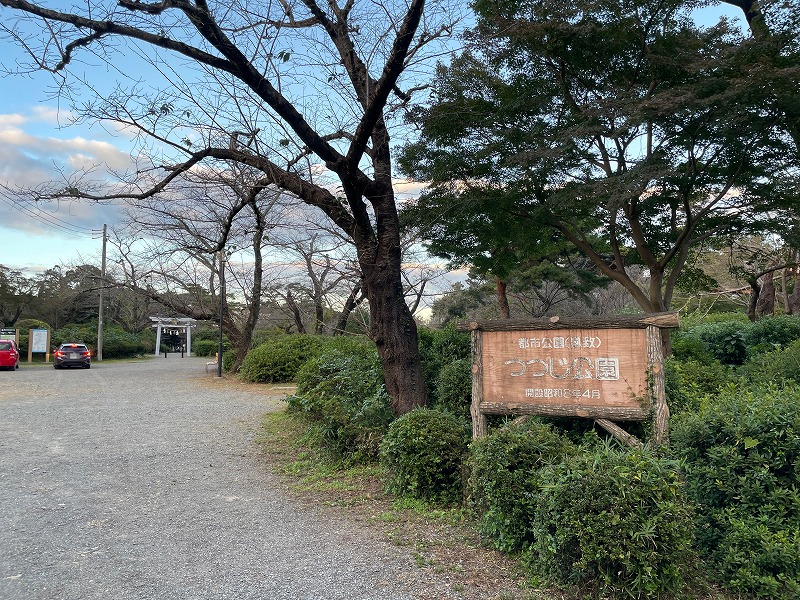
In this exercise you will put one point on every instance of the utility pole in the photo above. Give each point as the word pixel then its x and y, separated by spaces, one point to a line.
pixel 102 289
pixel 221 308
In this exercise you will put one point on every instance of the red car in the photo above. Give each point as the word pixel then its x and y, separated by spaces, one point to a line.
pixel 9 355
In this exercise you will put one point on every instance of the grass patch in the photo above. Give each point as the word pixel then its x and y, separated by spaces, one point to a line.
pixel 439 539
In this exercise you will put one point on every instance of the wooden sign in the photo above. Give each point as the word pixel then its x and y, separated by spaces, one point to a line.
pixel 608 370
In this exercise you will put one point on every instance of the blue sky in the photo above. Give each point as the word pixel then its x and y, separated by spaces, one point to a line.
pixel 36 143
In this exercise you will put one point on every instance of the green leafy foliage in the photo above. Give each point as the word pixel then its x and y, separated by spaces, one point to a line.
pixel 454 388
pixel 422 453
pixel 342 392
pixel 732 339
pixel 742 464
pixel 280 358
pixel 772 333
pixel 617 520
pixel 688 382
pixel 782 364
pixel 118 343
pixel 724 341
pixel 438 348
pixel 205 347
pixel 505 471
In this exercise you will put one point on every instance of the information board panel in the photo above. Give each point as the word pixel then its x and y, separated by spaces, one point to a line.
pixel 38 340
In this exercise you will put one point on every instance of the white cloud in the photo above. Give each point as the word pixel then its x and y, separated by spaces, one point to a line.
pixel 10 120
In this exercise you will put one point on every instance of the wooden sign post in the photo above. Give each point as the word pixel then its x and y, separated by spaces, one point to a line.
pixel 606 370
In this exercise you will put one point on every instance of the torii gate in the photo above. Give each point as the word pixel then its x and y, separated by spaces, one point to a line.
pixel 168 323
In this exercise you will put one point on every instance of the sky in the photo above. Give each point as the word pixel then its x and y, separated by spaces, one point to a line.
pixel 38 145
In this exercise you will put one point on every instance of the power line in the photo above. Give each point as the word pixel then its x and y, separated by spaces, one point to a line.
pixel 50 220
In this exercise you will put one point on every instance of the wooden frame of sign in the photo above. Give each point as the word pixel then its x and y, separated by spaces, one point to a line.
pixel 603 369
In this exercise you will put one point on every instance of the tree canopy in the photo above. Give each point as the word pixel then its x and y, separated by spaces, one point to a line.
pixel 632 132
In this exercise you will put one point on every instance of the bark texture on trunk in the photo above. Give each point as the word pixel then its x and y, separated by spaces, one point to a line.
pixel 502 298
pixel 793 307
pixel 394 331
pixel 766 300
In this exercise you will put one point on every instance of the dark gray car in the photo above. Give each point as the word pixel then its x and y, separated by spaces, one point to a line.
pixel 72 355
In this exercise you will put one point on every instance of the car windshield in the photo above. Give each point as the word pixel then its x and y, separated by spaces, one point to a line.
pixel 6 346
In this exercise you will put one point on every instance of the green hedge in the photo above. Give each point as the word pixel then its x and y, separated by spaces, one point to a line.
pixel 438 349
pixel 782 364
pixel 733 340
pixel 742 461
pixel 453 388
pixel 280 358
pixel 504 477
pixel 614 520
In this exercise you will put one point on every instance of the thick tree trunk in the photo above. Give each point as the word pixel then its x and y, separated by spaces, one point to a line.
pixel 392 325
pixel 766 300
pixel 319 317
pixel 502 298
pixel 394 331
pixel 793 307
pixel 755 292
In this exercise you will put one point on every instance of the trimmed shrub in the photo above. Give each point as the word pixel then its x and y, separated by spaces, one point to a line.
pixel 439 348
pixel 279 359
pixel 724 341
pixel 613 519
pixel 742 464
pixel 117 343
pixel 422 453
pixel 228 359
pixel 205 347
pixel 504 477
pixel 342 391
pixel 454 388
pixel 687 382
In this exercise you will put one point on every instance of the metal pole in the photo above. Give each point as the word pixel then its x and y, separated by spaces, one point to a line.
pixel 221 308
pixel 102 288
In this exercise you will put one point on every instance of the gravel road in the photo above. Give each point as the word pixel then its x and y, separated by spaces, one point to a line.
pixel 141 480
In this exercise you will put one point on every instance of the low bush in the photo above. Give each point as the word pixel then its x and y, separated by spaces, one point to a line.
pixel 117 343
pixel 422 453
pixel 205 347
pixel 280 358
pixel 687 382
pixel 742 464
pixel 439 348
pixel 504 477
pixel 724 341
pixel 616 520
pixel 343 393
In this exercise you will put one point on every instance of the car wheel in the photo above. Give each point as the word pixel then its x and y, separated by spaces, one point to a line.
pixel 56 367
pixel 88 366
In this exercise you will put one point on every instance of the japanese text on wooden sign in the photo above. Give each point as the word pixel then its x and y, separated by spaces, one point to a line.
pixel 578 368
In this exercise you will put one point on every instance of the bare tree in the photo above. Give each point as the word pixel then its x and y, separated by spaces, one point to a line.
pixel 322 272
pixel 217 211
pixel 252 101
